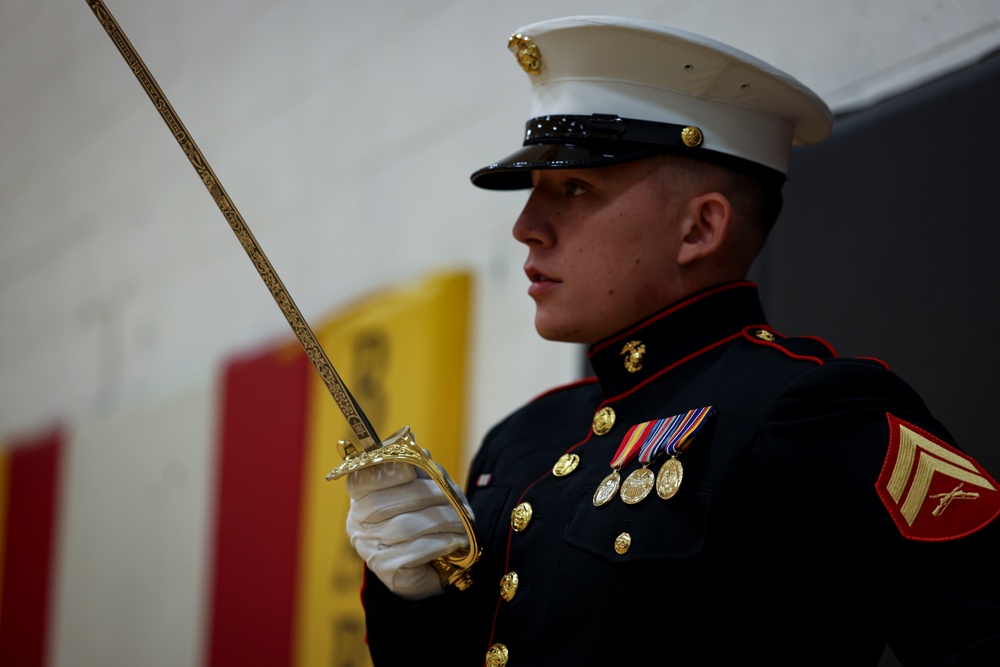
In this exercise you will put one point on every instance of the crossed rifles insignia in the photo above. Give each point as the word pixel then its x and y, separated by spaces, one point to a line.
pixel 932 490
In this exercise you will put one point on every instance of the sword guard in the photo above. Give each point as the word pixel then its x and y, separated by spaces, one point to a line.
pixel 401 447
pixel 346 449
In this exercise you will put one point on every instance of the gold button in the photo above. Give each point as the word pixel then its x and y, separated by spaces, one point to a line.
pixel 566 464
pixel 497 656
pixel 763 334
pixel 692 136
pixel 520 517
pixel 623 542
pixel 604 420
pixel 508 586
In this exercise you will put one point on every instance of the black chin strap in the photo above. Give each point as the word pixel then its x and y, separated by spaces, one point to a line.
pixel 609 127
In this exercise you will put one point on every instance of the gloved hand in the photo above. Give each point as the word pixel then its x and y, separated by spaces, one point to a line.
pixel 399 521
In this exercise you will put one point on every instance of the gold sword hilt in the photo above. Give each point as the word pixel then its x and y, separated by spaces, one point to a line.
pixel 401 447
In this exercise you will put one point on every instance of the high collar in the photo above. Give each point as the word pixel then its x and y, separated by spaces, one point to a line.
pixel 670 336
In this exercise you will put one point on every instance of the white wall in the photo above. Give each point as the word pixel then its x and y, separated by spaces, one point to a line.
pixel 345 133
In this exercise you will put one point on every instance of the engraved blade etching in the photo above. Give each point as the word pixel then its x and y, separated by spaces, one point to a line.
pixel 357 420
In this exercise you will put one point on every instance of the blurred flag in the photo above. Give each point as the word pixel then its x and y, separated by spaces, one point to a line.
pixel 29 487
pixel 199 529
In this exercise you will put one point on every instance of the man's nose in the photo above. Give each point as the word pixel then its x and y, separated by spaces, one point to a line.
pixel 532 226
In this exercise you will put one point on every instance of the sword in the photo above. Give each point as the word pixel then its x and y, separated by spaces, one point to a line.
pixel 401 445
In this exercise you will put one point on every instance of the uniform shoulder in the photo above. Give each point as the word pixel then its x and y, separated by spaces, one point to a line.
pixel 803 348
pixel 560 400
pixel 565 389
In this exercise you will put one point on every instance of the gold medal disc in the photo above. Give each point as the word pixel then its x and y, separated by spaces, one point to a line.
pixel 668 480
pixel 606 491
pixel 638 485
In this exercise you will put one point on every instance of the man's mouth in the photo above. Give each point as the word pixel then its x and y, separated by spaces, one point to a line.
pixel 541 283
pixel 536 276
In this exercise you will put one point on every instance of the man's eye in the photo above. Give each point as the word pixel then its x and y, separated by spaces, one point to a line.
pixel 574 188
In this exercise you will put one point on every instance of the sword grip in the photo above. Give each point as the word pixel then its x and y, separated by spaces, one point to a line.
pixel 401 447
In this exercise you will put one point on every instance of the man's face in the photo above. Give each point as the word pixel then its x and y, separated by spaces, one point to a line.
pixel 602 247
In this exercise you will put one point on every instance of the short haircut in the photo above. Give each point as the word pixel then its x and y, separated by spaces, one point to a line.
pixel 754 191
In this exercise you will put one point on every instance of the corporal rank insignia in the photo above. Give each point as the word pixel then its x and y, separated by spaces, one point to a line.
pixel 932 490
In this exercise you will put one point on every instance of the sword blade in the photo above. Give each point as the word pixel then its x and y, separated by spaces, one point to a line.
pixel 357 420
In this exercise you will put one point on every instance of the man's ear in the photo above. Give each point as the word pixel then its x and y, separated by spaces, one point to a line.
pixel 707 222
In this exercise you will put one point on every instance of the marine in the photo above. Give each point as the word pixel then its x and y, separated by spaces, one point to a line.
pixel 716 491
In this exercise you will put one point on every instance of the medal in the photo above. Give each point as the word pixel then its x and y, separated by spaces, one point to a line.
pixel 626 451
pixel 671 436
pixel 638 485
pixel 682 432
pixel 608 488
pixel 668 480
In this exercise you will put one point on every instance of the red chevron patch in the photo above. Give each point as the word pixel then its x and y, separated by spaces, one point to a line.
pixel 932 490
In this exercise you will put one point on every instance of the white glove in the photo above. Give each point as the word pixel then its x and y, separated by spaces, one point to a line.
pixel 400 521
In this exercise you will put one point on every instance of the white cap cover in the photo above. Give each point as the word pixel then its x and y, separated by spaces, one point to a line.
pixel 606 90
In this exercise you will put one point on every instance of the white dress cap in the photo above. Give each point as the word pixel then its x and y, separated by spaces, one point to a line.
pixel 647 83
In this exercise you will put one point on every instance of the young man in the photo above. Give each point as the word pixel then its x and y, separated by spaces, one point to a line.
pixel 718 492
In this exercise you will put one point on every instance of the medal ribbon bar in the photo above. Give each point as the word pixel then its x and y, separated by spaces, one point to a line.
pixel 631 444
pixel 673 434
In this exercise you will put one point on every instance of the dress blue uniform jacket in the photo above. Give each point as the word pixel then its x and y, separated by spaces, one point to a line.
pixel 822 515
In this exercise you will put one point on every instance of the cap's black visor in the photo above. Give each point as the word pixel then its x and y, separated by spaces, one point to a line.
pixel 568 142
pixel 514 171
pixel 579 142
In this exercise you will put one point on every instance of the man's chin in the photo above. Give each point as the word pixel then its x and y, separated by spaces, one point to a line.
pixel 560 332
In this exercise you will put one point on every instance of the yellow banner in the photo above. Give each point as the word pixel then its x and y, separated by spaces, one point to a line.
pixel 403 356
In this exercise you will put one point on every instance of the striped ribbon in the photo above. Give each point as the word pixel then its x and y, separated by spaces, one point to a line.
pixel 631 444
pixel 672 434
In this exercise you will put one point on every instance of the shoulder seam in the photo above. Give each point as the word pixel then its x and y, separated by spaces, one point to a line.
pixel 749 334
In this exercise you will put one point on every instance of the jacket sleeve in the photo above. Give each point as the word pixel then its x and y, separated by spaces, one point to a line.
pixel 888 488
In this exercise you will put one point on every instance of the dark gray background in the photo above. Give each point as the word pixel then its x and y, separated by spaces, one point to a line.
pixel 889 246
